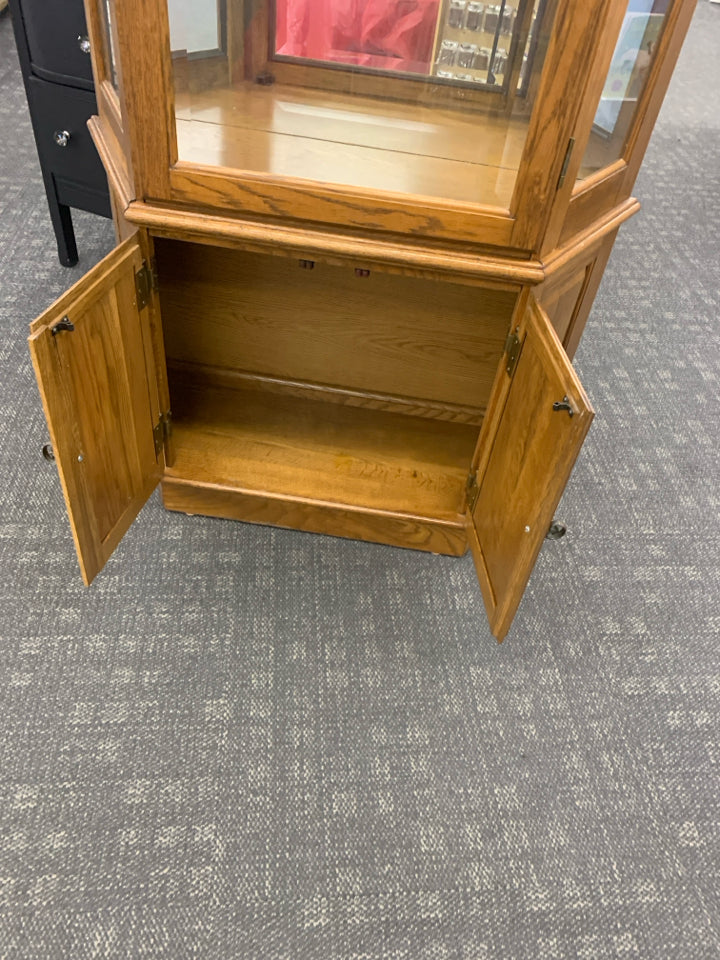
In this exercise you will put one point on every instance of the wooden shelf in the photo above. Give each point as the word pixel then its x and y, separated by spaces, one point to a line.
pixel 359 141
pixel 324 453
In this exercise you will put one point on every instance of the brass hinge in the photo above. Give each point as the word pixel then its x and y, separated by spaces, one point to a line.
pixel 512 351
pixel 162 432
pixel 472 491
pixel 566 163
pixel 146 281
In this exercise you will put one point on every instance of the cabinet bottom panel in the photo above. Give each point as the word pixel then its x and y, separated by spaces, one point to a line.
pixel 292 447
pixel 394 530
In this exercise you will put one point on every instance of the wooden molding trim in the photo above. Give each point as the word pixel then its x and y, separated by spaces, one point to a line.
pixel 299 241
pixel 581 244
pixel 599 194
pixel 290 198
pixel 112 160
pixel 315 516
pixel 503 272
pixel 606 173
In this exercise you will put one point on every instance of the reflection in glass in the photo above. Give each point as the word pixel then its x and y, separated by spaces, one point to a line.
pixel 625 83
pixel 426 97
pixel 109 40
pixel 194 26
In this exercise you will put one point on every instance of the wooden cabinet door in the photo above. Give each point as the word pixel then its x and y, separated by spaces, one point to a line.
pixel 537 420
pixel 93 358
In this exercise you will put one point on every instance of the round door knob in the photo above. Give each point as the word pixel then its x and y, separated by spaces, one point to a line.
pixel 48 452
pixel 84 44
pixel 61 138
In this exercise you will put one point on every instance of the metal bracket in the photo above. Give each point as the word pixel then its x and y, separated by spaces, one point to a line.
pixel 564 404
pixel 145 282
pixel 162 432
pixel 512 350
pixel 472 491
pixel 64 324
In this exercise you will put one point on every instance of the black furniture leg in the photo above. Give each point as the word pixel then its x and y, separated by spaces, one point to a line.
pixel 62 225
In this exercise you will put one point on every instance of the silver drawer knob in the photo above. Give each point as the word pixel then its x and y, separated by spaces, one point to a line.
pixel 61 138
pixel 84 44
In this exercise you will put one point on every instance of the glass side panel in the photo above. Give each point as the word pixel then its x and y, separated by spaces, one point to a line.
pixel 425 97
pixel 109 40
pixel 625 83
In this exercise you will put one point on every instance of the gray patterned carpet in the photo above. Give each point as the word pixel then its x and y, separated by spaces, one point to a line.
pixel 249 743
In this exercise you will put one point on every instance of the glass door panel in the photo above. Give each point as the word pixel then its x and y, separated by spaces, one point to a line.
pixel 626 81
pixel 421 97
pixel 108 40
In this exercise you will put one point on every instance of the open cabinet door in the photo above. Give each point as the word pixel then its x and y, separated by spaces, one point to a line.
pixel 93 358
pixel 537 420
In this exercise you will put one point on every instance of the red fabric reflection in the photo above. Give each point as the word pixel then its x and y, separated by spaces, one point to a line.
pixel 386 34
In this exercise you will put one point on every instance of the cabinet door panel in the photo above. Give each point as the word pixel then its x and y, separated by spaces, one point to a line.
pixel 532 450
pixel 100 398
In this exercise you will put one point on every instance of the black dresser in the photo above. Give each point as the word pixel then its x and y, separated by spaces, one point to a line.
pixel 54 56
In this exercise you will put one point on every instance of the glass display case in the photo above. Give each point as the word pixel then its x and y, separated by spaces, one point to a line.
pixel 426 98
pixel 361 241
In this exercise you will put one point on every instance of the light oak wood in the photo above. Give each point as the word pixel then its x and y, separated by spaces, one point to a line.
pixel 113 159
pixel 284 200
pixel 267 315
pixel 560 302
pixel 320 392
pixel 524 475
pixel 589 240
pixel 586 298
pixel 110 109
pixel 592 200
pixel 315 451
pixel 143 36
pixel 598 56
pixel 297 188
pixel 330 137
pixel 392 253
pixel 99 403
pixel 572 54
pixel 414 533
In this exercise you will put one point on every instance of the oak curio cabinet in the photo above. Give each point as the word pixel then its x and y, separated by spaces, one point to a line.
pixel 358 246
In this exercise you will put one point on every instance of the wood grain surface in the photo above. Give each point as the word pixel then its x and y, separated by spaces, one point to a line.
pixel 523 475
pixel 393 253
pixel 313 516
pixel 359 141
pixel 317 451
pixel 380 333
pixel 99 403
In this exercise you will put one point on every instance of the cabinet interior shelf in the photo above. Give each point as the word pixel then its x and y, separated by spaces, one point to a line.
pixel 291 446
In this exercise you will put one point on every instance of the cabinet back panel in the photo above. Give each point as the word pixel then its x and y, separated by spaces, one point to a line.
pixel 384 333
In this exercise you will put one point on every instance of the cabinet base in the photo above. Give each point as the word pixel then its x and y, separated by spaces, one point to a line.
pixel 396 530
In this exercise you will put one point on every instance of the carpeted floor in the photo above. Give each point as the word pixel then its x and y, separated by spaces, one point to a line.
pixel 249 743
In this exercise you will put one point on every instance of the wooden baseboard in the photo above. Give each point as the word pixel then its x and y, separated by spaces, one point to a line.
pixel 396 530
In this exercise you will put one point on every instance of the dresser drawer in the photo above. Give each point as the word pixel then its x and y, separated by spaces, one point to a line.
pixel 52 28
pixel 60 115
